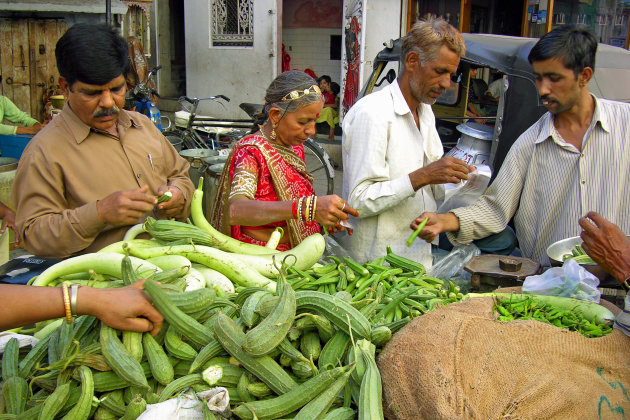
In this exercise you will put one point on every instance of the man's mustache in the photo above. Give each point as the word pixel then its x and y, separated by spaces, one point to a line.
pixel 106 112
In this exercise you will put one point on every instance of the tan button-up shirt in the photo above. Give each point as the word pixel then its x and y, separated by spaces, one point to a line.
pixel 68 166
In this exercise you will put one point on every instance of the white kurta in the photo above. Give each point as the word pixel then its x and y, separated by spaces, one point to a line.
pixel 381 145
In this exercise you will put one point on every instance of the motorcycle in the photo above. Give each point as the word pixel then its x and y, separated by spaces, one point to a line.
pixel 141 99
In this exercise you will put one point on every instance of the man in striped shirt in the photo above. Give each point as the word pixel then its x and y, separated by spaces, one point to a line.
pixel 606 244
pixel 573 160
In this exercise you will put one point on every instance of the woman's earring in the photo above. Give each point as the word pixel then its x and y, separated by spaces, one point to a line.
pixel 273 132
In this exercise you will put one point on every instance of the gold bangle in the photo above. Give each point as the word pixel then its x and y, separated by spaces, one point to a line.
pixel 314 207
pixel 74 292
pixel 306 208
pixel 66 302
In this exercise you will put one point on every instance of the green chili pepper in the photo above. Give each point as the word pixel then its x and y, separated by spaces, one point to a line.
pixel 417 231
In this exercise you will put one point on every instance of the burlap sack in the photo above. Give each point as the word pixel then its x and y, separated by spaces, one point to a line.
pixel 458 362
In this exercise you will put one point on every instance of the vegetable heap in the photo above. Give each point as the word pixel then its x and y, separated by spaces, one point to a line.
pixel 580 316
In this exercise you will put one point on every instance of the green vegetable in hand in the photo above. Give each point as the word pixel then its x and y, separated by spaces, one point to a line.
pixel 164 197
pixel 417 231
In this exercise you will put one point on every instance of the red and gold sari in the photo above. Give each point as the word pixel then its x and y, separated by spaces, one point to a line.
pixel 278 173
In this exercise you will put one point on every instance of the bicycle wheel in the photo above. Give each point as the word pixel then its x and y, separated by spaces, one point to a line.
pixel 319 164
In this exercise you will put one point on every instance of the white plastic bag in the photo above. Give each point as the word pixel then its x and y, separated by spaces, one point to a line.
pixel 451 266
pixel 467 192
pixel 188 406
pixel 570 280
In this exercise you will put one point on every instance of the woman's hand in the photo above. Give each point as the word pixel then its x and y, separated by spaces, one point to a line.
pixel 127 308
pixel 331 211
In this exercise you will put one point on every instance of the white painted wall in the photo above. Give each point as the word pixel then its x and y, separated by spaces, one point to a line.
pixel 383 22
pixel 240 73
pixel 310 47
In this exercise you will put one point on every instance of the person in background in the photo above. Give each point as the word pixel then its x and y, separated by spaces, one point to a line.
pixel 473 109
pixel 609 247
pixel 330 112
pixel 126 308
pixel 265 184
pixel 95 169
pixel 392 154
pixel 11 113
pixel 572 158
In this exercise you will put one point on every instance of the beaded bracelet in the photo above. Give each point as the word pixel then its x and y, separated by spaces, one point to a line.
pixel 299 208
pixel 66 302
pixel 310 209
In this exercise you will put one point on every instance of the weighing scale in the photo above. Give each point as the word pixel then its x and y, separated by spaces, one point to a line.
pixel 491 271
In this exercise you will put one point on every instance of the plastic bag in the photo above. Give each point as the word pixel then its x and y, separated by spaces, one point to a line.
pixel 333 248
pixel 451 266
pixel 570 280
pixel 467 192
pixel 188 406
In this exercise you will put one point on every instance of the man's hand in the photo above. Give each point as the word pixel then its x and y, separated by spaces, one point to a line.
pixel 443 171
pixel 8 221
pixel 30 130
pixel 606 244
pixel 436 224
pixel 174 207
pixel 127 308
pixel 124 208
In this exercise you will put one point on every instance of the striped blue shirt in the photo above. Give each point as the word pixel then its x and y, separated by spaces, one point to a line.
pixel 547 184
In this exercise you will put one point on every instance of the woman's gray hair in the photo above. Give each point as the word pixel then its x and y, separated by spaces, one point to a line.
pixel 426 37
pixel 280 87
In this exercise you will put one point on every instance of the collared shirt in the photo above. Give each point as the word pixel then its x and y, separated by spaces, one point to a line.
pixel 11 113
pixel 68 166
pixel 547 184
pixel 381 145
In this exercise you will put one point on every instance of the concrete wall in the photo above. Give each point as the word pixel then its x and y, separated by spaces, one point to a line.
pixel 310 47
pixel 383 22
pixel 240 73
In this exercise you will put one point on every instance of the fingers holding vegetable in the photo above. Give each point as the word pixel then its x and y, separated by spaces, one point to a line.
pixel 170 201
pixel 125 207
pixel 127 308
pixel 424 227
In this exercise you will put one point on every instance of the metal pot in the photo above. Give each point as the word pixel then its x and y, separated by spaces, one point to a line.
pixel 473 147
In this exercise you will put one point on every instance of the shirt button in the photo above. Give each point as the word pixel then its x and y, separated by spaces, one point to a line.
pixel 583 182
pixel 140 176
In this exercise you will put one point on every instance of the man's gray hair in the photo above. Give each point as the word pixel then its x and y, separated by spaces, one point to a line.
pixel 426 37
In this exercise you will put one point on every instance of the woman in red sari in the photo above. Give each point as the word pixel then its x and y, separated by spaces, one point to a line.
pixel 265 183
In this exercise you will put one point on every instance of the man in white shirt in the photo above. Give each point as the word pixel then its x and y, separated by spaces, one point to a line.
pixel 392 154
pixel 573 160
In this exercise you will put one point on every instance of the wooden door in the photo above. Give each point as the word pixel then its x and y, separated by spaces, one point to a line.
pixel 27 61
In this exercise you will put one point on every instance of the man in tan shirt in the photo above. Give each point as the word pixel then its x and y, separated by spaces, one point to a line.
pixel 95 169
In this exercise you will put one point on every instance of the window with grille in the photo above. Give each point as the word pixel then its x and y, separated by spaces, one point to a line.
pixel 232 23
